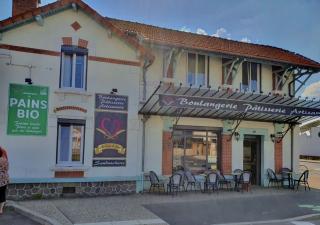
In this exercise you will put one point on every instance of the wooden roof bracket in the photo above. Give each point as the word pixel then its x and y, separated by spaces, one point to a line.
pixel 233 70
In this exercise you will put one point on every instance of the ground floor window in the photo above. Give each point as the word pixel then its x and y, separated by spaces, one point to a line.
pixel 195 149
pixel 70 142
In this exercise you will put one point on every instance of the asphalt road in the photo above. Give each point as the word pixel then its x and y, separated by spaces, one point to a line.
pixel 238 209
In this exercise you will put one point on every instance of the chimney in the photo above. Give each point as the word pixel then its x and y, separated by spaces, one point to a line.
pixel 20 6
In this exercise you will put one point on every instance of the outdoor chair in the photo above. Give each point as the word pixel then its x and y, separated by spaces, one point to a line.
pixel 245 181
pixel 191 180
pixel 212 181
pixel 174 184
pixel 273 178
pixel 303 179
pixel 286 176
pixel 222 180
pixel 182 183
pixel 155 183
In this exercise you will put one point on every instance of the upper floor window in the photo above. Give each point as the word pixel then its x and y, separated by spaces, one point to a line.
pixel 277 81
pixel 251 77
pixel 73 67
pixel 70 141
pixel 196 69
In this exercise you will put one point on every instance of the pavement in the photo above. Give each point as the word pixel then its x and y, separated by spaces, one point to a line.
pixel 190 208
pixel 260 206
pixel 10 217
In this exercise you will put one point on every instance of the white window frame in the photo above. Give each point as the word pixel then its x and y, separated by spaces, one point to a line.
pixel 70 162
pixel 73 79
pixel 249 78
pixel 196 69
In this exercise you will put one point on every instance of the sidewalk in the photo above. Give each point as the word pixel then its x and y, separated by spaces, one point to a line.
pixel 10 217
pixel 186 208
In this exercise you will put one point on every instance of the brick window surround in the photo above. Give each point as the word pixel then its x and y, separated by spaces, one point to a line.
pixel 226 154
pixel 167 148
pixel 278 156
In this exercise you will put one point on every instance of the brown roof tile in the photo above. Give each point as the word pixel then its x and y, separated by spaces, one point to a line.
pixel 176 38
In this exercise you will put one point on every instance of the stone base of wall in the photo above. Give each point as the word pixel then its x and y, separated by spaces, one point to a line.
pixel 57 190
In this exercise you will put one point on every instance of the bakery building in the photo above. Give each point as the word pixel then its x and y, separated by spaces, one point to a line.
pixel 94 102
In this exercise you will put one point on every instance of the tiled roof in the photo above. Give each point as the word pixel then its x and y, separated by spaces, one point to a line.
pixel 61 4
pixel 164 36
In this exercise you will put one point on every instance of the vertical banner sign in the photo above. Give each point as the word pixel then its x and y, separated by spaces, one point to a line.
pixel 28 110
pixel 110 133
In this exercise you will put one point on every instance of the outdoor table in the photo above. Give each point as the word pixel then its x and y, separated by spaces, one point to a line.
pixel 292 176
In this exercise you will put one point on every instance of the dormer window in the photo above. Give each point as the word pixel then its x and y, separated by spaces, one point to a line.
pixel 73 67
pixel 196 69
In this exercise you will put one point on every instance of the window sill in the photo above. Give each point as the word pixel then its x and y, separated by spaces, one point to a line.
pixel 60 168
pixel 72 92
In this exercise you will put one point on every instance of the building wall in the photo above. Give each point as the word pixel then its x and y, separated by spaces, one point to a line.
pixel 308 144
pixel 35 157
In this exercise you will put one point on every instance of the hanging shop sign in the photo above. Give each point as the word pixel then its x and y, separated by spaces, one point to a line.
pixel 28 110
pixel 235 105
pixel 110 133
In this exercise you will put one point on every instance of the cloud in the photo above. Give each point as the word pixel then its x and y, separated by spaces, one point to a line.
pixel 245 39
pixel 201 31
pixel 185 29
pixel 313 90
pixel 221 32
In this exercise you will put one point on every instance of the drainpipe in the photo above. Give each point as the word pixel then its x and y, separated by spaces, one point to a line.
pixel 145 67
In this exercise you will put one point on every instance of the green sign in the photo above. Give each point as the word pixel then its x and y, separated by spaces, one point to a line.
pixel 28 110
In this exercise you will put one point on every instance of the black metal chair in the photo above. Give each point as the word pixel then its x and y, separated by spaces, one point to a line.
pixel 285 175
pixel 212 181
pixel 245 181
pixel 223 181
pixel 182 183
pixel 273 179
pixel 174 184
pixel 155 183
pixel 303 179
pixel 191 180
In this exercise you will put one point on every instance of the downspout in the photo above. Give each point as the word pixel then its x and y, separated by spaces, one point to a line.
pixel 144 119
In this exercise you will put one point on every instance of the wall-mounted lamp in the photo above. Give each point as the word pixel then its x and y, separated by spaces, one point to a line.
pixel 28 81
pixel 236 136
pixel 272 137
pixel 114 91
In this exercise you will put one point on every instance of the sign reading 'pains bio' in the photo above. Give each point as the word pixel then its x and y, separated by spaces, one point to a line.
pixel 28 110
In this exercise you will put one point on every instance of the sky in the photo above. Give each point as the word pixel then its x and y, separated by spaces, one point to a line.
pixel 290 24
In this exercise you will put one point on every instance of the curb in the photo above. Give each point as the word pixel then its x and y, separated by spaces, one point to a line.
pixel 37 217
pixel 273 221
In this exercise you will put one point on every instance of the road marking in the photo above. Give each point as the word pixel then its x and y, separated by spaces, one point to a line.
pixel 301 223
pixel 128 222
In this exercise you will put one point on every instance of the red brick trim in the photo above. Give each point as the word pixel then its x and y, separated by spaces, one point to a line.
pixel 82 43
pixel 278 156
pixel 70 107
pixel 68 174
pixel 167 149
pixel 29 50
pixel 226 154
pixel 67 40
pixel 115 61
pixel 55 53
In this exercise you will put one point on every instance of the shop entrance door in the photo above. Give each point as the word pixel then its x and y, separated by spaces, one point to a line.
pixel 252 157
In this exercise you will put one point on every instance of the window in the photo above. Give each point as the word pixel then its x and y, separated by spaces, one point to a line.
pixel 276 78
pixel 196 69
pixel 73 67
pixel 250 77
pixel 70 142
